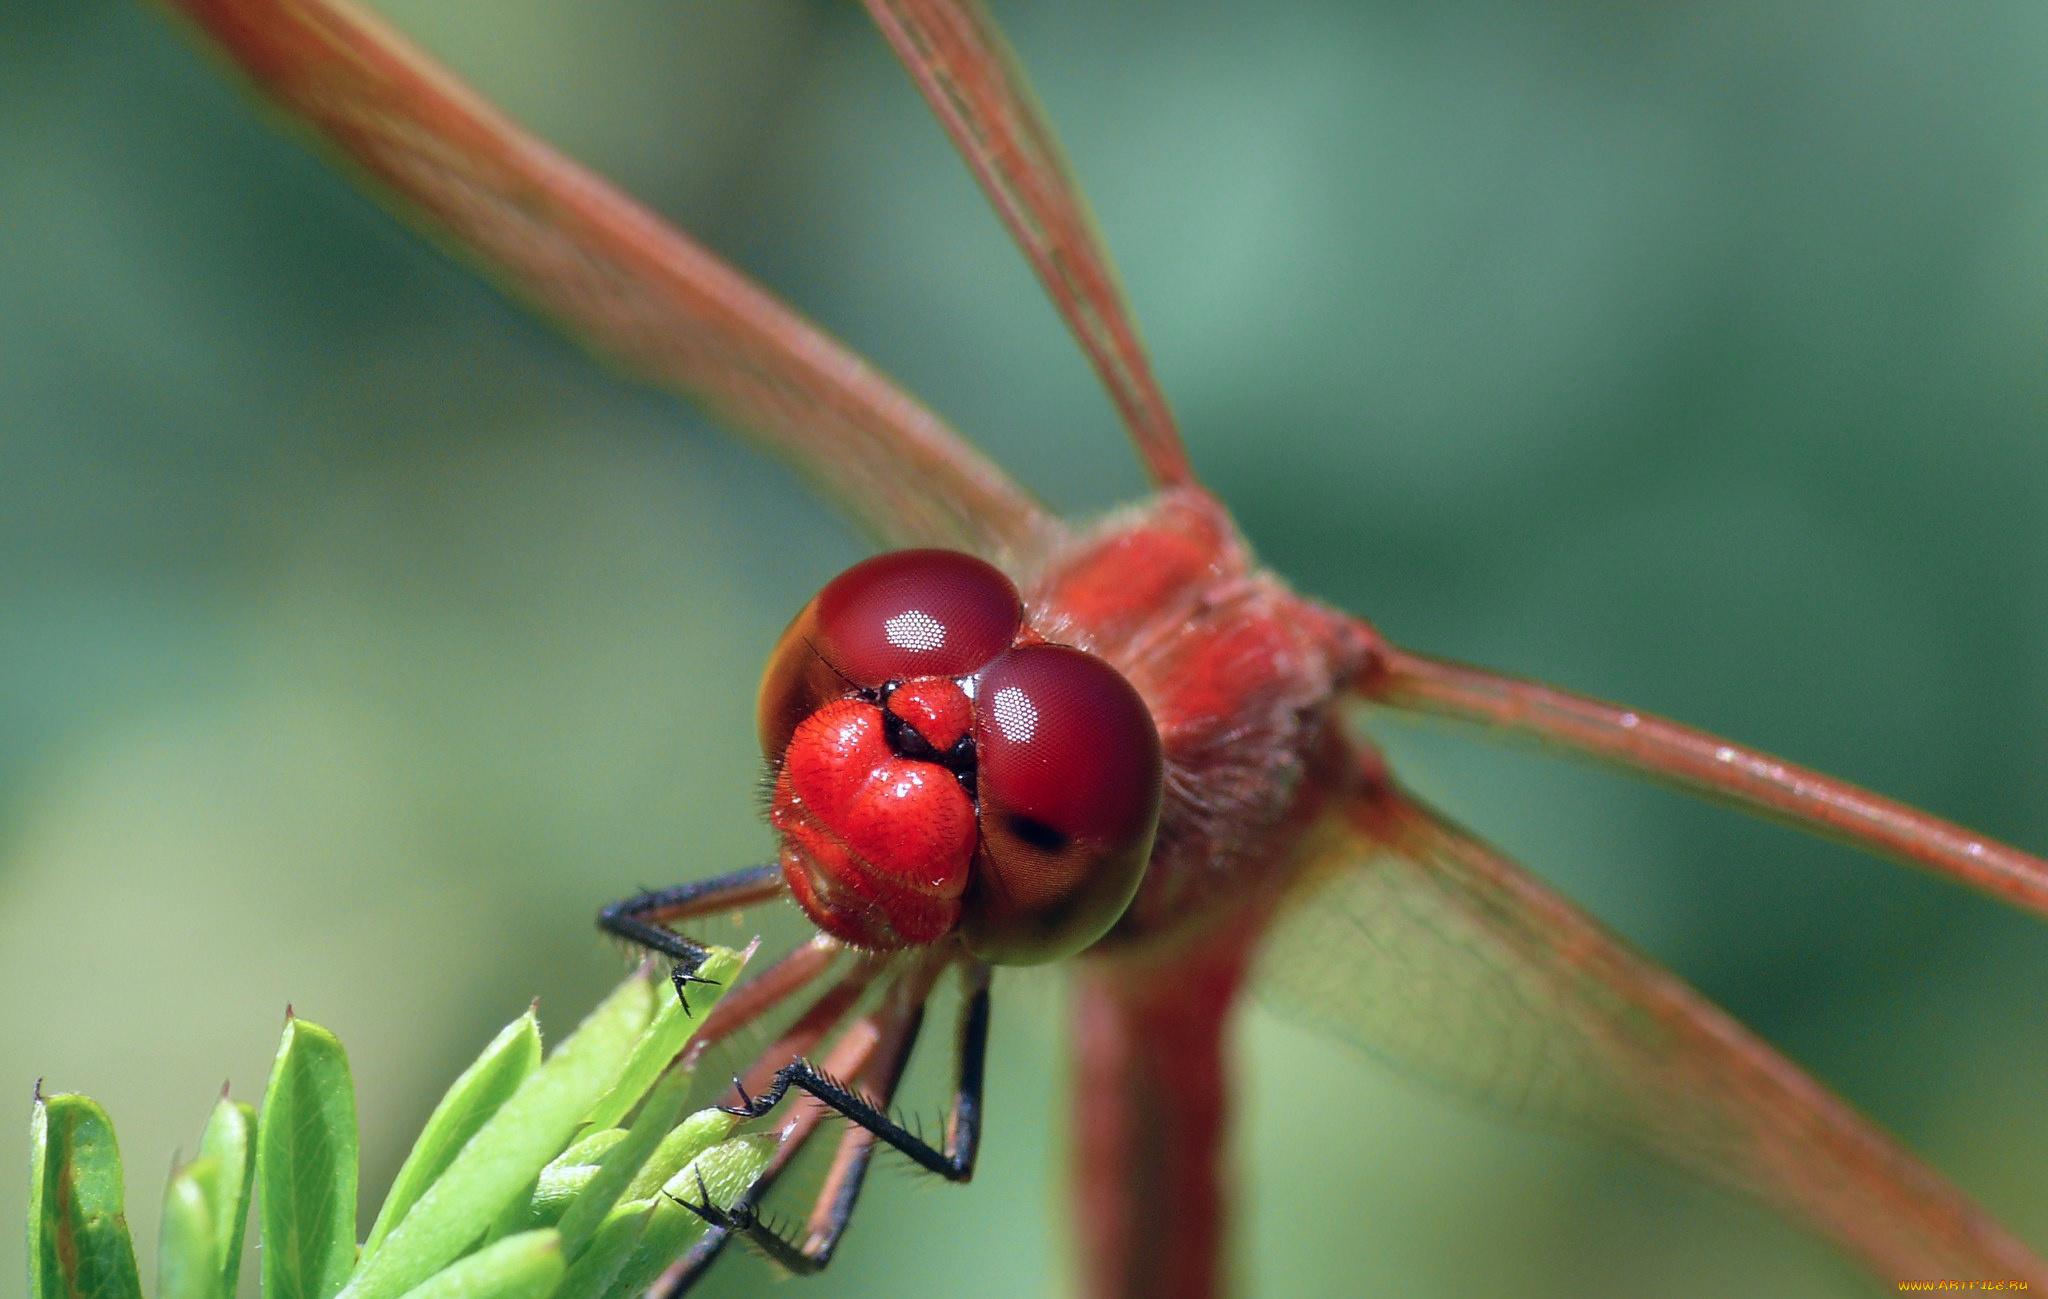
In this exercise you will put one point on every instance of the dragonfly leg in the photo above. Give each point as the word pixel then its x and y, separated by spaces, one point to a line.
pixel 955 1162
pixel 643 919
pixel 878 1049
pixel 849 1054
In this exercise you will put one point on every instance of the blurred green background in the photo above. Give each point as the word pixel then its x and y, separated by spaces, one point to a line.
pixel 358 639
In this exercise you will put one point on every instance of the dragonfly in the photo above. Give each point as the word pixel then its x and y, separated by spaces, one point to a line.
pixel 1284 854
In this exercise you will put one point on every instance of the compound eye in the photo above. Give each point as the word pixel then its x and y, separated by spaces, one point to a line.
pixel 916 613
pixel 1069 776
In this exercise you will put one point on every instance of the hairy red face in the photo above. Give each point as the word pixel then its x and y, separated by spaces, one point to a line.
pixel 935 773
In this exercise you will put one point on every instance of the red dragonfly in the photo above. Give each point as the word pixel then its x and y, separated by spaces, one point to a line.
pixel 1229 828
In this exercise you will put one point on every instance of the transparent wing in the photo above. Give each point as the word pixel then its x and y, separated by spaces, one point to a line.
pixel 970 78
pixel 1412 939
pixel 1709 765
pixel 628 285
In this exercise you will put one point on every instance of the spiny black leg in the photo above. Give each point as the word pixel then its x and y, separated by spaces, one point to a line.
pixel 836 1199
pixel 834 1210
pixel 744 1218
pixel 691 1267
pixel 956 1162
pixel 639 919
pixel 964 1125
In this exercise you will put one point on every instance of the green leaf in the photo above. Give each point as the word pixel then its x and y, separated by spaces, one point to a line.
pixel 610 1247
pixel 690 1138
pixel 206 1208
pixel 727 1169
pixel 564 1179
pixel 502 1159
pixel 230 1142
pixel 526 1266
pixel 306 1166
pixel 479 1093
pixel 78 1245
pixel 656 1119
pixel 659 1049
pixel 667 1036
pixel 188 1241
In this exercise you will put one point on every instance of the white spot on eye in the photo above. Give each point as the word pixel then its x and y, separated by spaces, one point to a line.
pixel 1016 716
pixel 1629 721
pixel 1975 849
pixel 1725 754
pixel 915 629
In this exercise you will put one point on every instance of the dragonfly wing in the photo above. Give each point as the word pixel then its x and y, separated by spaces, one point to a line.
pixel 1422 944
pixel 1706 764
pixel 969 76
pixel 613 274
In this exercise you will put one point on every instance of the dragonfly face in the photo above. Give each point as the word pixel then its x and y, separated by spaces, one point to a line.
pixel 941 768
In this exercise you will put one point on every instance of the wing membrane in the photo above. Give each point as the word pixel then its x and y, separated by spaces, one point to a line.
pixel 1706 764
pixel 1415 940
pixel 615 275
pixel 970 78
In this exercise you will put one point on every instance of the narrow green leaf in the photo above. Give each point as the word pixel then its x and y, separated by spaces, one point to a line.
pixel 727 1169
pixel 188 1240
pixel 667 1036
pixel 306 1166
pixel 502 1159
pixel 657 1118
pixel 657 1049
pixel 610 1246
pixel 78 1245
pixel 38 1169
pixel 230 1142
pixel 690 1138
pixel 526 1266
pixel 564 1179
pixel 478 1094
pixel 520 1212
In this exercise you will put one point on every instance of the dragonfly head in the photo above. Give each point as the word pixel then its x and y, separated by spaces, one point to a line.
pixel 939 768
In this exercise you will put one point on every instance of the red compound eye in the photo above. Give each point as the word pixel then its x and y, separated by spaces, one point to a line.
pixel 910 613
pixel 1069 785
pixel 916 613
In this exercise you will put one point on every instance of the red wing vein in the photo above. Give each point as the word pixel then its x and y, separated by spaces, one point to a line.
pixel 968 75
pixel 1423 945
pixel 609 271
pixel 1708 765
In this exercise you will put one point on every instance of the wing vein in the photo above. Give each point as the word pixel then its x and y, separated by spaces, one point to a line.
pixel 1432 950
